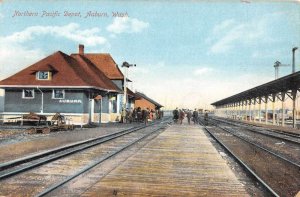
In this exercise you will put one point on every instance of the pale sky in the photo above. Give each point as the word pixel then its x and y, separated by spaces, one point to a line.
pixel 188 53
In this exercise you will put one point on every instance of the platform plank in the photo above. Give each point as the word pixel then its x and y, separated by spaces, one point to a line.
pixel 180 162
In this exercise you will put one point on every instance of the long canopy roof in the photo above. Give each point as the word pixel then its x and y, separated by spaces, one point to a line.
pixel 283 84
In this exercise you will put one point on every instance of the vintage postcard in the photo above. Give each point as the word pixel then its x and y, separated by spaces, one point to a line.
pixel 149 98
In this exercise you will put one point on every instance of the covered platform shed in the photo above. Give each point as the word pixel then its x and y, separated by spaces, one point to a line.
pixel 243 105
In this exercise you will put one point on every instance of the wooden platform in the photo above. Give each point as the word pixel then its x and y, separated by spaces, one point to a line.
pixel 179 162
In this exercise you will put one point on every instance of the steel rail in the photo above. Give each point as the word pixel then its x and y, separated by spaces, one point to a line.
pixel 78 147
pixel 286 133
pixel 248 126
pixel 50 189
pixel 233 122
pixel 254 144
pixel 261 131
pixel 243 164
pixel 22 160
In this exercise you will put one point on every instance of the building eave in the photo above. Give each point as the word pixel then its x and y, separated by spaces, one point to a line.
pixel 69 87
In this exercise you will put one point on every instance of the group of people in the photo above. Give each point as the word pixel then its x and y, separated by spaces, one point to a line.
pixel 179 114
pixel 140 115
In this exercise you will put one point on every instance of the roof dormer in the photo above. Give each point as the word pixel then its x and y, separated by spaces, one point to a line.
pixel 44 72
pixel 43 75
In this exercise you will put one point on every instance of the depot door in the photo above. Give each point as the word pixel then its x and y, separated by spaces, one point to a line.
pixel 91 111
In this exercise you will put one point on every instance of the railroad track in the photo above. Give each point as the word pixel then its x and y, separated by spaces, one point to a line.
pixel 263 144
pixel 294 138
pixel 284 133
pixel 87 154
pixel 286 146
pixel 280 176
pixel 20 165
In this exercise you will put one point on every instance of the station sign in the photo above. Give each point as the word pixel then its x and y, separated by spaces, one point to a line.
pixel 70 101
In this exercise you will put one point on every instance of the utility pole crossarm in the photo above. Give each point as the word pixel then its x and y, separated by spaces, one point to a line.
pixel 278 64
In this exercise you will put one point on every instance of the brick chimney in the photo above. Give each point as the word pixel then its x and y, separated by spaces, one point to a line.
pixel 81 49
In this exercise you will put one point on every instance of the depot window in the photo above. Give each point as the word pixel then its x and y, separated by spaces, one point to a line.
pixel 28 94
pixel 43 75
pixel 58 94
pixel 113 104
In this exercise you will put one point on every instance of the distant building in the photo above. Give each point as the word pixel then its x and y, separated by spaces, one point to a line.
pixel 131 99
pixel 144 101
pixel 85 87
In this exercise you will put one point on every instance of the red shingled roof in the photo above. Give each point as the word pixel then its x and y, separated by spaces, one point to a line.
pixel 93 70
pixel 67 71
pixel 132 94
pixel 44 67
pixel 149 99
pixel 105 63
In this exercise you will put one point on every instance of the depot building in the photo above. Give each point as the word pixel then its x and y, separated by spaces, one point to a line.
pixel 88 88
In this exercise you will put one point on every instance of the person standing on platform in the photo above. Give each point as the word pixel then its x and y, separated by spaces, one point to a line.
pixel 195 116
pixel 206 118
pixel 175 115
pixel 158 114
pixel 145 115
pixel 189 116
pixel 134 115
pixel 181 115
pixel 151 115
pixel 123 116
pixel 130 118
pixel 139 114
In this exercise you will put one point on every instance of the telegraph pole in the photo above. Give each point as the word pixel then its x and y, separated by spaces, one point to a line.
pixel 294 92
pixel 126 65
pixel 294 49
